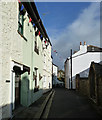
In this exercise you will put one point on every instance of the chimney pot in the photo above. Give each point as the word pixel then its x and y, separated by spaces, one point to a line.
pixel 84 43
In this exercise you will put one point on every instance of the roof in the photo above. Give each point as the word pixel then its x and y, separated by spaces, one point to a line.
pixel 33 12
pixel 66 60
pixel 92 48
pixel 54 65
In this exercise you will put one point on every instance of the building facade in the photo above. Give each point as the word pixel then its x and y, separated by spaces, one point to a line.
pixel 81 61
pixel 21 56
pixel 55 73
pixel 47 67
pixel 55 81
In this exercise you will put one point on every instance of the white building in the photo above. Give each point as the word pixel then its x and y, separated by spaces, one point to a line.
pixel 47 66
pixel 55 81
pixel 81 61
pixel 55 72
pixel 21 56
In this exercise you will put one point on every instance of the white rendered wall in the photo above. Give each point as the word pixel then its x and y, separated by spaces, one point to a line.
pixel 79 64
pixel 83 62
pixel 67 73
pixel 11 48
pixel 55 70
pixel 47 67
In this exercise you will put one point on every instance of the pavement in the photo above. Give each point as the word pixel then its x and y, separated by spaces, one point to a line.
pixel 69 104
pixel 35 110
pixel 59 103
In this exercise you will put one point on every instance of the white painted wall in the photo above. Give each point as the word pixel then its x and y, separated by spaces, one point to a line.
pixel 11 45
pixel 80 62
pixel 55 72
pixel 83 62
pixel 47 66
pixel 1 85
pixel 11 49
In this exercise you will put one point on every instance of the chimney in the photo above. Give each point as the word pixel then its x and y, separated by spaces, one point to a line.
pixel 84 43
pixel 81 45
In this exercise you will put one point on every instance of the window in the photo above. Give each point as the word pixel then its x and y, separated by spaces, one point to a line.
pixel 20 19
pixel 36 49
pixel 44 61
pixel 36 79
pixel 36 88
pixel 93 49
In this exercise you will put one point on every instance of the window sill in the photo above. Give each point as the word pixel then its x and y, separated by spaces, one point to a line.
pixel 21 35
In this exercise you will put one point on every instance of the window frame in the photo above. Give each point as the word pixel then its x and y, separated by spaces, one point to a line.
pixel 20 20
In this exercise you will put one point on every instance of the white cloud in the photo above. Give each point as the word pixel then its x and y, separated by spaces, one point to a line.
pixel 85 28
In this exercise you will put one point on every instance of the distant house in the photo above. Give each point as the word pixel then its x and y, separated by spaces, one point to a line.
pixel 81 61
pixel 55 80
pixel 54 74
pixel 60 75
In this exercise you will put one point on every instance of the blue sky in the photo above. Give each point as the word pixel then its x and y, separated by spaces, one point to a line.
pixel 59 14
pixel 68 23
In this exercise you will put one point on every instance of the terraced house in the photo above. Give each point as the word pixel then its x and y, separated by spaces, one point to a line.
pixel 22 49
pixel 47 68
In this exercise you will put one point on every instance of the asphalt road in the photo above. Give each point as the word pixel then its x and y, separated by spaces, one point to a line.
pixel 69 104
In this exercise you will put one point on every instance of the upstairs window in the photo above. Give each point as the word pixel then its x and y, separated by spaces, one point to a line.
pixel 21 19
pixel 93 49
pixel 36 48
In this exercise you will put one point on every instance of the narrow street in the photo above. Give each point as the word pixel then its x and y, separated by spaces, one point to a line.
pixel 44 47
pixel 68 104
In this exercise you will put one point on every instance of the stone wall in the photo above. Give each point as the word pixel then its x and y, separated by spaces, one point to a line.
pixel 95 80
pixel 82 85
pixel 100 91
pixel 91 86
